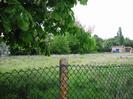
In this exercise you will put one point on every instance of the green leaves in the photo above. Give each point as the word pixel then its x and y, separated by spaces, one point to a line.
pixel 23 21
pixel 60 45
pixel 84 2
pixel 26 37
pixel 7 26
pixel 56 16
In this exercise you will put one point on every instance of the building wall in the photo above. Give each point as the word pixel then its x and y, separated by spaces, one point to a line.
pixel 118 49
pixel 128 49
pixel 121 49
pixel 131 51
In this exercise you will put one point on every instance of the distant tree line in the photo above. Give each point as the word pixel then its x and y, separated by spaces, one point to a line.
pixel 106 45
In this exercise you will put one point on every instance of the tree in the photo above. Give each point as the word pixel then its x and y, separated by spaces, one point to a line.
pixel 120 37
pixel 75 42
pixel 107 45
pixel 27 22
pixel 81 41
pixel 99 43
pixel 60 45
pixel 128 42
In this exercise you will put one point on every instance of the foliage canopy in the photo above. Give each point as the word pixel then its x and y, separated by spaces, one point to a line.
pixel 28 22
pixel 21 20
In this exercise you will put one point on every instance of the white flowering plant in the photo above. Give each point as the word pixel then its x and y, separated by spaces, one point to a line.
pixel 4 49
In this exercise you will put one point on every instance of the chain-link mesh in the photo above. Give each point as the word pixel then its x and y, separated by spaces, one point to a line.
pixel 83 82
pixel 42 83
pixel 101 82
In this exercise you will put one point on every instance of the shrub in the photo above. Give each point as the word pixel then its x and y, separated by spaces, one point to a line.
pixel 81 43
pixel 60 45
pixel 74 43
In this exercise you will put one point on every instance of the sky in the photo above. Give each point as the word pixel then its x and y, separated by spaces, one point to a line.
pixel 106 16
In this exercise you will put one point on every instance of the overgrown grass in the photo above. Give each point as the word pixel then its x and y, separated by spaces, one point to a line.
pixel 25 62
pixel 42 83
pixel 84 81
pixel 111 81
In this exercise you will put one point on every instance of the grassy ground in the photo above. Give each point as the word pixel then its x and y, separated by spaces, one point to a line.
pixel 110 82
pixel 24 62
pixel 84 82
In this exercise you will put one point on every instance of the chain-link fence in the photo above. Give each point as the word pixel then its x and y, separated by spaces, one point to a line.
pixel 74 81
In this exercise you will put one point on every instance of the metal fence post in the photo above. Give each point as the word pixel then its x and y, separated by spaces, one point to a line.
pixel 63 78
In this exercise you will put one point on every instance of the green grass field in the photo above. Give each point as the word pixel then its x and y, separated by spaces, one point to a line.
pixel 84 81
pixel 24 62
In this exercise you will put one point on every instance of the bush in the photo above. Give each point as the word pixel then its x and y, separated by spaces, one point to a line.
pixel 4 49
pixel 82 43
pixel 60 45
pixel 74 43
pixel 86 43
